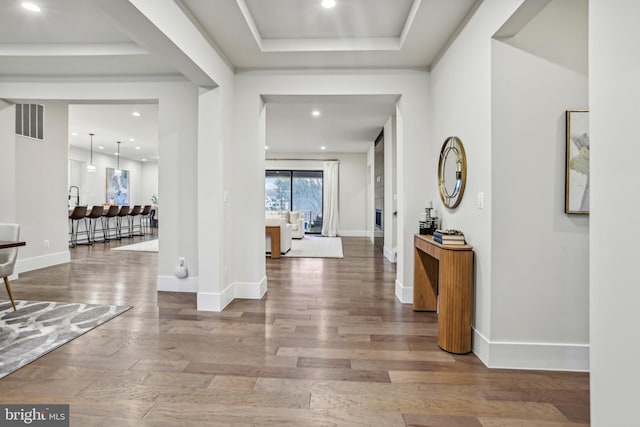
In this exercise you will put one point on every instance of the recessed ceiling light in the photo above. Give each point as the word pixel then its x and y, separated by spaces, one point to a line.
pixel 137 148
pixel 131 139
pixel 100 147
pixel 315 113
pixel 30 6
pixel 117 154
pixel 328 4
pixel 74 133
pixel 135 114
pixel 266 147
pixel 323 148
pixel 144 160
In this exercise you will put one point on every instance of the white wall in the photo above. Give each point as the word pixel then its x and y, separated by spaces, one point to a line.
pixel 41 191
pixel 371 220
pixel 558 34
pixel 93 188
pixel 460 105
pixel 352 189
pixel 214 291
pixel 614 66
pixel 390 190
pixel 248 155
pixel 540 255
pixel 7 162
pixel 513 136
pixel 149 184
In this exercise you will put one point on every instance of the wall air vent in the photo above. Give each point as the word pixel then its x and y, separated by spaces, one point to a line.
pixel 30 120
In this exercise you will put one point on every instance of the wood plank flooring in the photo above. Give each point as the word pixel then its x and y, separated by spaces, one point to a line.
pixel 328 345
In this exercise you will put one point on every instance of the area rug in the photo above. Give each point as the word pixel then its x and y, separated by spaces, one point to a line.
pixel 316 247
pixel 38 327
pixel 146 246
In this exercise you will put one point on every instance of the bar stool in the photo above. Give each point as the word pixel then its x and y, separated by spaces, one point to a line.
pixel 79 213
pixel 135 212
pixel 153 218
pixel 93 215
pixel 112 212
pixel 145 221
pixel 124 211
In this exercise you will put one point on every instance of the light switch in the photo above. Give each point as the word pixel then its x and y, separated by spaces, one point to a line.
pixel 480 200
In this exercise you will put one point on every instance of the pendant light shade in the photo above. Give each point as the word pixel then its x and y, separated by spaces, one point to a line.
pixel 91 167
pixel 118 171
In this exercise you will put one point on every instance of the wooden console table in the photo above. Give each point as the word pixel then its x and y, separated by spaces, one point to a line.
pixel 445 271
pixel 274 232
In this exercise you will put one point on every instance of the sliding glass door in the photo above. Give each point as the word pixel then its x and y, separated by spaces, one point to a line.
pixel 307 198
pixel 299 191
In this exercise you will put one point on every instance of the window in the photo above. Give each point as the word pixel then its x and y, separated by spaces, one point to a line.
pixel 300 191
pixel 277 191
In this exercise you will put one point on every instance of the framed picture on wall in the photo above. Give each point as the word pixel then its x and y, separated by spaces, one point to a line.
pixel 117 187
pixel 576 199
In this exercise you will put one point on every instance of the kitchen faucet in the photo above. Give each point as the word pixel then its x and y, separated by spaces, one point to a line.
pixel 77 196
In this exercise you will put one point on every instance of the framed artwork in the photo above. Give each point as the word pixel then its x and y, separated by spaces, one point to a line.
pixel 117 187
pixel 576 198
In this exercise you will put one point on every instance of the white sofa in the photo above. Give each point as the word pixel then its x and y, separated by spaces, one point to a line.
pixel 285 233
pixel 294 221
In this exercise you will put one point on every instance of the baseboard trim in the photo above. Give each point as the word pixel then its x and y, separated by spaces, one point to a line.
pixel 480 346
pixel 250 290
pixel 531 355
pixel 217 301
pixel 390 254
pixel 353 233
pixel 173 284
pixel 404 294
pixel 35 263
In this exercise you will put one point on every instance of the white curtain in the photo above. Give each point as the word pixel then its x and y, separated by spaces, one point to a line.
pixel 330 199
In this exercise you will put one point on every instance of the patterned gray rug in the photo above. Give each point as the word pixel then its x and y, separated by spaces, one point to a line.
pixel 38 327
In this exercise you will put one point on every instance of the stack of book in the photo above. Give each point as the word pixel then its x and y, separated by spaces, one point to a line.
pixel 449 237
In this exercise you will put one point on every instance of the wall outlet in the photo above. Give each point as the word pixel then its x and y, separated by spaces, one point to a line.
pixel 480 200
pixel 225 196
pixel 47 243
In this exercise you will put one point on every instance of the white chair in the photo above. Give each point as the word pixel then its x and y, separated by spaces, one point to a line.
pixel 293 220
pixel 296 224
pixel 10 232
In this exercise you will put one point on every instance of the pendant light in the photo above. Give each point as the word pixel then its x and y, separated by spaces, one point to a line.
pixel 118 171
pixel 91 167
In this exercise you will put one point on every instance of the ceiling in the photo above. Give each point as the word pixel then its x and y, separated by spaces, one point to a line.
pixel 300 34
pixel 345 124
pixel 115 122
pixel 111 40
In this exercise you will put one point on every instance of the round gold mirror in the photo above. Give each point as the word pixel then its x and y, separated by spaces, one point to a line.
pixel 452 172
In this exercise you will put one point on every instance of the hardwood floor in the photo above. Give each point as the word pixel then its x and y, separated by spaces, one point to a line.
pixel 328 345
